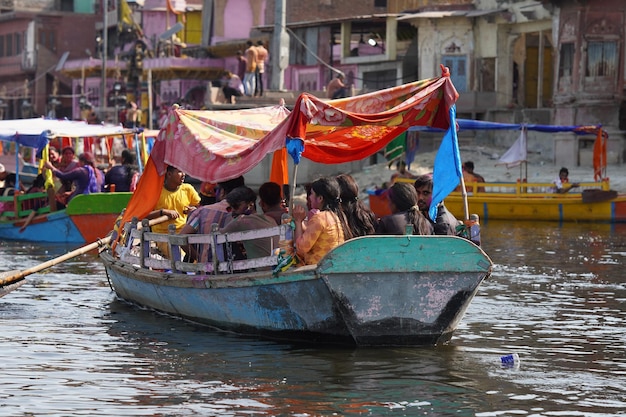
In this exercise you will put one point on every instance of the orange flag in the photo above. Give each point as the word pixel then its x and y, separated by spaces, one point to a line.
pixel 599 156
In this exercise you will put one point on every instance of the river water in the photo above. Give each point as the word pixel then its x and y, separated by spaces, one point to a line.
pixel 556 297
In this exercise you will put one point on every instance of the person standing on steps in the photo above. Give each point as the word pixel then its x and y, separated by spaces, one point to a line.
pixel 249 78
pixel 261 58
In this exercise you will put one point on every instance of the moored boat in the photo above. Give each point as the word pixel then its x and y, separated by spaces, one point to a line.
pixel 87 218
pixel 592 202
pixel 28 217
pixel 522 200
pixel 371 291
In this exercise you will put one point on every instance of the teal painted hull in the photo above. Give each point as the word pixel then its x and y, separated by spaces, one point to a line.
pixel 371 291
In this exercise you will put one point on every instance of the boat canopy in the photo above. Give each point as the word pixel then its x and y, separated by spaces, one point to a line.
pixel 36 132
pixel 219 145
pixel 468 124
pixel 517 153
pixel 216 146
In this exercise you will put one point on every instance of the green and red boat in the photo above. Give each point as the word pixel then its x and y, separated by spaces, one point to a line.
pixel 28 217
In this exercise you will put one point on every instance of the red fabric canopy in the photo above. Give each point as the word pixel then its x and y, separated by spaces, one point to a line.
pixel 216 146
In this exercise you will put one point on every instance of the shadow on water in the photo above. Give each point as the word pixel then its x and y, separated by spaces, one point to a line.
pixel 296 380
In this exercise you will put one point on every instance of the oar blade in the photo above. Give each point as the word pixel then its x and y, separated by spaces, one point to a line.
pixel 5 289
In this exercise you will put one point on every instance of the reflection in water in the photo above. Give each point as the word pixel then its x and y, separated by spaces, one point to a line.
pixel 556 298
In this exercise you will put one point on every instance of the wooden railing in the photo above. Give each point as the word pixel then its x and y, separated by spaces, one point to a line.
pixel 521 187
pixel 139 247
pixel 22 205
pixel 517 188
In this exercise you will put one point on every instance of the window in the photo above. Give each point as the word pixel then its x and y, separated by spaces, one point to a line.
pixel 9 44
pixel 67 5
pixel 566 60
pixel 18 43
pixel 47 38
pixel 380 3
pixel 1 46
pixel 601 59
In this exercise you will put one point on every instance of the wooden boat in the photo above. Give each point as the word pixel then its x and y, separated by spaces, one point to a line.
pixel 522 200
pixel 370 291
pixel 86 218
pixel 595 202
pixel 404 290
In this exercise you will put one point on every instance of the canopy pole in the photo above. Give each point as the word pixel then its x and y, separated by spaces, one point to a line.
pixel 17 167
pixel 464 195
pixel 294 182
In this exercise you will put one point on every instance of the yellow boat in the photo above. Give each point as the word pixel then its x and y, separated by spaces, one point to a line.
pixel 591 202
pixel 595 202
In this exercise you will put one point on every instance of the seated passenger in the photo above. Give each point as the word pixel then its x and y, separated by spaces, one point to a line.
pixel 202 219
pixel 83 176
pixel 207 193
pixel 7 191
pixel 36 187
pixel 361 220
pixel 562 184
pixel 469 176
pixel 176 201
pixel 124 177
pixel 404 211
pixel 445 223
pixel 326 228
pixel 271 201
pixel 242 201
pixel 9 185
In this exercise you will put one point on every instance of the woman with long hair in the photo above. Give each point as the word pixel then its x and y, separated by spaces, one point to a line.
pixel 326 228
pixel 404 212
pixel 361 220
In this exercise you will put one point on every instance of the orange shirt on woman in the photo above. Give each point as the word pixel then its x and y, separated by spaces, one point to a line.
pixel 323 232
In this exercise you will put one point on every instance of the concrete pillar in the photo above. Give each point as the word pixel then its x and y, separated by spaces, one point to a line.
pixel 565 149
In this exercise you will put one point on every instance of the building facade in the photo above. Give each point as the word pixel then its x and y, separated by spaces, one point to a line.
pixel 36 37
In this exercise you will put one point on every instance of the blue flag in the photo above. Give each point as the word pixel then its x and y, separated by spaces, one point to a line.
pixel 447 172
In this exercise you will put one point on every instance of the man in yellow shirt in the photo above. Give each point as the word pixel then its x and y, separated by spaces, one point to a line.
pixel 177 199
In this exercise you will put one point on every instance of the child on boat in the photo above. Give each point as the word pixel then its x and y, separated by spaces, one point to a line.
pixel 562 184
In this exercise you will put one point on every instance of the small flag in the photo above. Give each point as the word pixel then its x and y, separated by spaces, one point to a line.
pixel 447 172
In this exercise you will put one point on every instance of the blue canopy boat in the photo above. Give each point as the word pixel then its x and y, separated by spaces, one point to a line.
pixel 591 201
pixel 403 290
pixel 30 218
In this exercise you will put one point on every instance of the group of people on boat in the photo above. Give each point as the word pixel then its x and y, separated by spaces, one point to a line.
pixel 81 175
pixel 72 176
pixel 333 214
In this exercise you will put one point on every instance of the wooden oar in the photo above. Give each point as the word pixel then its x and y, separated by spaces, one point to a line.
pixel 11 277
pixel 11 287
